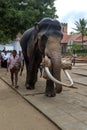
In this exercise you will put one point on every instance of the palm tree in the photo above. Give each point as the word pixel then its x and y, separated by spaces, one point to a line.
pixel 81 28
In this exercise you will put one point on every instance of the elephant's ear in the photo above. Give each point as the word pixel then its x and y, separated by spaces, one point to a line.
pixel 42 43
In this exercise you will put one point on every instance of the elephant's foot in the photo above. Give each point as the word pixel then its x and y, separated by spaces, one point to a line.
pixel 31 87
pixel 58 89
pixel 50 91
pixel 50 94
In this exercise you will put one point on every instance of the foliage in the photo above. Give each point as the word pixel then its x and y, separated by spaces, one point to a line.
pixel 76 46
pixel 17 17
pixel 79 49
pixel 81 27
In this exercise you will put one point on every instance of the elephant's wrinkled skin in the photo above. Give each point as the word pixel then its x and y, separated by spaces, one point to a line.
pixel 40 41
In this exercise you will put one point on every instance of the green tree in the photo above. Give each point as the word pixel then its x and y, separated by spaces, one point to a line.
pixel 76 46
pixel 81 27
pixel 17 16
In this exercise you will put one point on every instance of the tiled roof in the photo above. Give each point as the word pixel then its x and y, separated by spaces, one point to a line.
pixel 80 39
pixel 65 38
pixel 74 37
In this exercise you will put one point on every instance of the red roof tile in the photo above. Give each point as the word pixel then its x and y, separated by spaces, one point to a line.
pixel 74 37
pixel 65 38
pixel 80 39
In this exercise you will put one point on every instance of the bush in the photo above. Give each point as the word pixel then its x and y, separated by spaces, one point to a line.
pixel 79 49
pixel 76 47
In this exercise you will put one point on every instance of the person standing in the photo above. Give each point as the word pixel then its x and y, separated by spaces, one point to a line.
pixel 0 59
pixel 41 69
pixel 22 62
pixel 14 66
pixel 4 59
pixel 74 56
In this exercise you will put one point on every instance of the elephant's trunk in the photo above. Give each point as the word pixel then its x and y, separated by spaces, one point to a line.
pixel 56 64
pixel 53 51
pixel 56 67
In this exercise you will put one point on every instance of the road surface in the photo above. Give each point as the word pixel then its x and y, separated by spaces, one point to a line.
pixel 17 114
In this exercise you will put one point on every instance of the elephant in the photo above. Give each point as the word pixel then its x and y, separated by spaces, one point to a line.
pixel 41 41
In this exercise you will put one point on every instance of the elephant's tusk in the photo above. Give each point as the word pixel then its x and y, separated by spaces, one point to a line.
pixel 59 82
pixel 69 77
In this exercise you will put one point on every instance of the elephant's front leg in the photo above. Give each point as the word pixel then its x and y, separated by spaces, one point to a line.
pixel 33 71
pixel 31 78
pixel 50 91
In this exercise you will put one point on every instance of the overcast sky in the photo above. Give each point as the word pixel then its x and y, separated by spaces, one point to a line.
pixel 70 11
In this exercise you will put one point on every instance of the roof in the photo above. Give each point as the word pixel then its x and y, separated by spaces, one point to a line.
pixel 75 37
pixel 65 38
pixel 79 39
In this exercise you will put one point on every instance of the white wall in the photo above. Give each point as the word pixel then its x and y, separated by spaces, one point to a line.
pixel 14 45
pixel 17 46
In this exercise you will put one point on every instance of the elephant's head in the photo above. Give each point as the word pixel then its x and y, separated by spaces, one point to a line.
pixel 49 38
pixel 48 31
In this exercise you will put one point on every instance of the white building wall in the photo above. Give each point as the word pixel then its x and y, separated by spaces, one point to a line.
pixel 14 45
pixel 17 46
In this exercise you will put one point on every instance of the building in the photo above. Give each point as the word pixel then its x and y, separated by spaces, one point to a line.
pixel 14 45
pixel 64 27
pixel 69 39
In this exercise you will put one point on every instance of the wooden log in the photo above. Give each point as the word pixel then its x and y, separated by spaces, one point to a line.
pixel 66 64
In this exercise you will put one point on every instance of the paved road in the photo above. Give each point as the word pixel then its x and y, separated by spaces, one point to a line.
pixel 17 114
pixel 68 109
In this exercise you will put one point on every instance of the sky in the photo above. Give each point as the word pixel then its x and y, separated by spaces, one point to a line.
pixel 70 11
